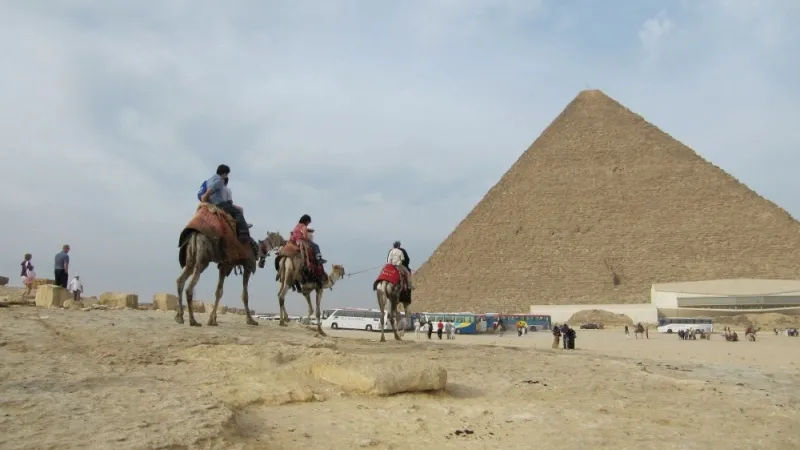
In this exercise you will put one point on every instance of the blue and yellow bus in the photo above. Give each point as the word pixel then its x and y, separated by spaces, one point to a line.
pixel 535 322
pixel 465 322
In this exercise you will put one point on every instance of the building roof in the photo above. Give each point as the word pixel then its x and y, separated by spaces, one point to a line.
pixel 732 287
pixel 598 208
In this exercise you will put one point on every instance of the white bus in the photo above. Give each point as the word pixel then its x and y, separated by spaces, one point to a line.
pixel 357 319
pixel 675 324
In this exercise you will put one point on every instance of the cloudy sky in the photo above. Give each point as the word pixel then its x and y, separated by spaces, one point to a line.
pixel 383 120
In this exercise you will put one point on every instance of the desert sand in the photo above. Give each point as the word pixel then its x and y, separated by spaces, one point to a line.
pixel 137 380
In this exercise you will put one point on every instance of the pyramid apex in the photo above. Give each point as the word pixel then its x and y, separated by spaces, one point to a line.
pixel 591 94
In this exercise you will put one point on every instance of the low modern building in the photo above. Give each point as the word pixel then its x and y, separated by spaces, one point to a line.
pixel 726 297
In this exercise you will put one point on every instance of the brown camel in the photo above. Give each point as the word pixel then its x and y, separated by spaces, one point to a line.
pixel 388 291
pixel 307 287
pixel 290 273
pixel 197 251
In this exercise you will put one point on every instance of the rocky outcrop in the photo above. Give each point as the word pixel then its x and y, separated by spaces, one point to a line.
pixel 381 378
pixel 3 281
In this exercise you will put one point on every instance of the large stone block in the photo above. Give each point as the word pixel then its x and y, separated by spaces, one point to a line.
pixel 119 300
pixel 51 296
pixel 221 309
pixel 89 301
pixel 198 306
pixel 381 377
pixel 72 304
pixel 42 282
pixel 3 281
pixel 165 302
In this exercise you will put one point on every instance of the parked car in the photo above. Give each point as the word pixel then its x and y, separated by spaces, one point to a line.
pixel 592 326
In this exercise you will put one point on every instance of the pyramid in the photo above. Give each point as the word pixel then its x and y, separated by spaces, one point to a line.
pixel 600 207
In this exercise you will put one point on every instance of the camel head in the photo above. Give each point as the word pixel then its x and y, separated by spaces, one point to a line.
pixel 337 273
pixel 272 242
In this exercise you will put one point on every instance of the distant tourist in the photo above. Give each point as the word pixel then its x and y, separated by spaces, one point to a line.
pixel 429 324
pixel 448 329
pixel 556 336
pixel 27 274
pixel 627 332
pixel 76 287
pixel 564 332
pixel 62 267
pixel 570 338
pixel 418 328
pixel 439 329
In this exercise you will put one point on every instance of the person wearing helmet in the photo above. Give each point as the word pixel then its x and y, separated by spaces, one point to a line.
pixel 398 257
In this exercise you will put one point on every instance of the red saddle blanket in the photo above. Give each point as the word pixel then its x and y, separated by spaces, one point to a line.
pixel 218 225
pixel 390 274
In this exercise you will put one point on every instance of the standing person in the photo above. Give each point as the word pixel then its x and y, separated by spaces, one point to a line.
pixel 62 267
pixel 627 332
pixel 570 338
pixel 439 329
pixel 429 324
pixel 27 274
pixel 418 328
pixel 76 287
pixel 448 329
pixel 564 334
pixel 556 336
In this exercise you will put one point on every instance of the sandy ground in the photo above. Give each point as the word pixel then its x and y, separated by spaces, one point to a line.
pixel 137 380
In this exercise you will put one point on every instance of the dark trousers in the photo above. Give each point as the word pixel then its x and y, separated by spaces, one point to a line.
pixel 62 277
pixel 315 249
pixel 565 339
pixel 241 224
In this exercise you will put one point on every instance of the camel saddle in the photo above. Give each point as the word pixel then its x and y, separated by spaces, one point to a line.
pixel 220 227
pixel 311 271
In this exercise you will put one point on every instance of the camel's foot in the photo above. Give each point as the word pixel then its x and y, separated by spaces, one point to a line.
pixel 283 324
pixel 194 323
pixel 383 339
pixel 250 321
pixel 320 332
pixel 179 319
pixel 397 337
pixel 212 322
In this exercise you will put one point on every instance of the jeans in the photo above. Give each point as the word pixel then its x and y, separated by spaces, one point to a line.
pixel 241 224
pixel 61 278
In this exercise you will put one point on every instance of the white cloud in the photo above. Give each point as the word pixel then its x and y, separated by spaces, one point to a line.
pixel 653 32
pixel 383 120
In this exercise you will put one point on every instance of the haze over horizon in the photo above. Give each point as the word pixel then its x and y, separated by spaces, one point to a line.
pixel 383 121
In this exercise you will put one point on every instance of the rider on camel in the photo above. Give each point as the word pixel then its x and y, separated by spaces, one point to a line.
pixel 303 234
pixel 217 195
pixel 398 257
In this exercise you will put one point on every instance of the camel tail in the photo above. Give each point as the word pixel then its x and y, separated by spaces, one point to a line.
pixel 375 285
pixel 186 246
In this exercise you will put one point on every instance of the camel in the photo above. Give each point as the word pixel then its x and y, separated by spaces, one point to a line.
pixel 307 287
pixel 385 290
pixel 290 273
pixel 197 251
pixel 639 329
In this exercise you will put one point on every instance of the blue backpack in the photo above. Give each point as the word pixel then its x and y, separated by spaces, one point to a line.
pixel 202 191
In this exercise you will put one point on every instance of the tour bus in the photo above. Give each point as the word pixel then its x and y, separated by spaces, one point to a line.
pixel 675 324
pixel 535 322
pixel 465 322
pixel 358 319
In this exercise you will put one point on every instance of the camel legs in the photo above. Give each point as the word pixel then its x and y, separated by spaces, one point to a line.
pixel 246 297
pixel 319 312
pixel 198 270
pixel 187 271
pixel 282 298
pixel 382 305
pixel 393 316
pixel 212 316
pixel 307 295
